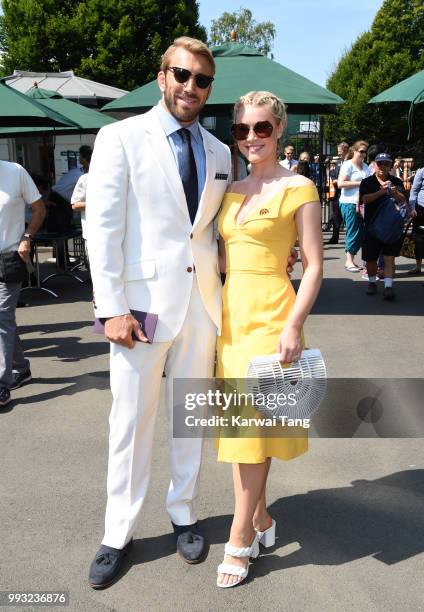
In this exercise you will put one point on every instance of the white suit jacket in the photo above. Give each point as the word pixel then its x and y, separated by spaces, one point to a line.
pixel 141 242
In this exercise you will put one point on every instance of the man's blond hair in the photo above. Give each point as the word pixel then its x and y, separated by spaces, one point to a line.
pixel 190 44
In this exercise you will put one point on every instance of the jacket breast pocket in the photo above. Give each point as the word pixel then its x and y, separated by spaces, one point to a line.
pixel 140 270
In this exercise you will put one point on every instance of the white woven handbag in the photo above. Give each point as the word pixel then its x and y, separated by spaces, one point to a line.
pixel 300 386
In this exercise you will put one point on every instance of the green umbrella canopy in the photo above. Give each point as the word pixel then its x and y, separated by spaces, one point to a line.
pixel 240 69
pixel 409 90
pixel 84 119
pixel 18 111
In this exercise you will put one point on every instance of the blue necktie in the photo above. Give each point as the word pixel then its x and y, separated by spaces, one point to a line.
pixel 188 173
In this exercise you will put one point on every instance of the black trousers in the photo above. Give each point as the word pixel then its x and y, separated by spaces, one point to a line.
pixel 335 217
pixel 417 233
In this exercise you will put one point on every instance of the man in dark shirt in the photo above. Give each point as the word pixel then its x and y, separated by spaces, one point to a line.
pixel 372 192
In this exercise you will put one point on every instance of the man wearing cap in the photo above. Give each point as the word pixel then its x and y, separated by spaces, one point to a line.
pixel 373 191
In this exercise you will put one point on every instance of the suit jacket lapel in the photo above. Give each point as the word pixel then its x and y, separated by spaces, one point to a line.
pixel 166 162
pixel 210 175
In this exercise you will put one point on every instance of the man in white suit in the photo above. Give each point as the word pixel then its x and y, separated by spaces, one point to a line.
pixel 156 184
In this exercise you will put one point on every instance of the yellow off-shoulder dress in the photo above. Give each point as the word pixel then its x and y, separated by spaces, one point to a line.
pixel 257 299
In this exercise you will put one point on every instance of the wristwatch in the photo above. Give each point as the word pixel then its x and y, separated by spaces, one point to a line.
pixel 27 236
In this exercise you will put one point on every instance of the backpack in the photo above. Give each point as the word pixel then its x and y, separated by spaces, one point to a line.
pixel 387 223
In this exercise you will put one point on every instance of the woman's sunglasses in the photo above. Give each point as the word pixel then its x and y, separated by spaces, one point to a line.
pixel 182 75
pixel 262 129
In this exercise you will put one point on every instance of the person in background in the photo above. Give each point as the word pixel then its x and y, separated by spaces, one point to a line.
pixel 398 167
pixel 305 156
pixel 352 172
pixel 373 191
pixel 373 151
pixel 17 190
pixel 66 184
pixel 289 162
pixel 78 198
pixel 58 217
pixel 416 205
pixel 335 216
pixel 303 168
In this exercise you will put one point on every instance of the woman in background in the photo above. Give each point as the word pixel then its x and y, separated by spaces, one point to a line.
pixel 353 170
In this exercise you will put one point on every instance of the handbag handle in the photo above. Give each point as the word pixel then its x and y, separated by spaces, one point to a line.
pixel 406 230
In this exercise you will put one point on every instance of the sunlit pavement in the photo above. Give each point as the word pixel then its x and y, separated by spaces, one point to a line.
pixel 349 513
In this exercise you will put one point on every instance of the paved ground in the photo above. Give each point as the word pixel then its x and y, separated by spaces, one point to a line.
pixel 350 512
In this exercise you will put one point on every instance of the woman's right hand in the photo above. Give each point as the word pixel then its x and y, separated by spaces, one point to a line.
pixel 290 345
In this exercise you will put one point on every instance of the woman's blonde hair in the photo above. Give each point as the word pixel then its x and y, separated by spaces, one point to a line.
pixel 190 44
pixel 356 146
pixel 262 98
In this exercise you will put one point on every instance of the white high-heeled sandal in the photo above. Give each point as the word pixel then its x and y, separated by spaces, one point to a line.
pixel 267 537
pixel 251 552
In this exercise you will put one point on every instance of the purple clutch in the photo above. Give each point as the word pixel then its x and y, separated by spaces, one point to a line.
pixel 147 320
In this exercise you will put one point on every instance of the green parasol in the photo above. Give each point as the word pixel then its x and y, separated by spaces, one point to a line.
pixel 410 90
pixel 18 111
pixel 240 69
pixel 84 119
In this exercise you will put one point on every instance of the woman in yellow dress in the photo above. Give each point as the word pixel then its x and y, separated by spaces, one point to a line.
pixel 260 219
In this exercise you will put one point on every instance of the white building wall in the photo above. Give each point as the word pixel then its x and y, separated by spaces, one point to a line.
pixel 28 151
pixel 66 150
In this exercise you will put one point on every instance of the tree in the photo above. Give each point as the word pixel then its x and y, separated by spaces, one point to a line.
pixel 117 42
pixel 249 31
pixel 389 52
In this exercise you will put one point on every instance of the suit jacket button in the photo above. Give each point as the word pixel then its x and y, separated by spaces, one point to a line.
pixel 191 235
pixel 189 269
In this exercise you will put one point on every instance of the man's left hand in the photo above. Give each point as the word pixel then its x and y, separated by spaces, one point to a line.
pixel 291 260
pixel 24 249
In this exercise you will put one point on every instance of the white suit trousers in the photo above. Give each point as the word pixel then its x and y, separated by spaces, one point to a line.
pixel 136 376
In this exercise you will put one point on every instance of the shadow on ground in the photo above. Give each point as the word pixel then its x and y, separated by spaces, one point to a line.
pixel 342 296
pixel 380 518
pixel 69 385
pixel 64 348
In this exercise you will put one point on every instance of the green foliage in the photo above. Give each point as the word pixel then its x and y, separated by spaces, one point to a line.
pixel 117 42
pixel 392 50
pixel 249 31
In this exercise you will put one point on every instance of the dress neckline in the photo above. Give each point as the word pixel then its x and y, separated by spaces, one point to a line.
pixel 243 196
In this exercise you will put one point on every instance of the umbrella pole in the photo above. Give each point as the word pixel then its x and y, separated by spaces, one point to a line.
pixel 48 157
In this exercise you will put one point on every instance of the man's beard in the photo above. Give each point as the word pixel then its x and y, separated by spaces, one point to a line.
pixel 189 114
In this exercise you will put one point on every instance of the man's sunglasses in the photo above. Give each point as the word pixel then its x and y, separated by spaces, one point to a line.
pixel 182 75
pixel 363 151
pixel 384 163
pixel 262 129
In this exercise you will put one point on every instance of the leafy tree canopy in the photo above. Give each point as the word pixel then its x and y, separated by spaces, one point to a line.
pixel 117 42
pixel 389 52
pixel 249 31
